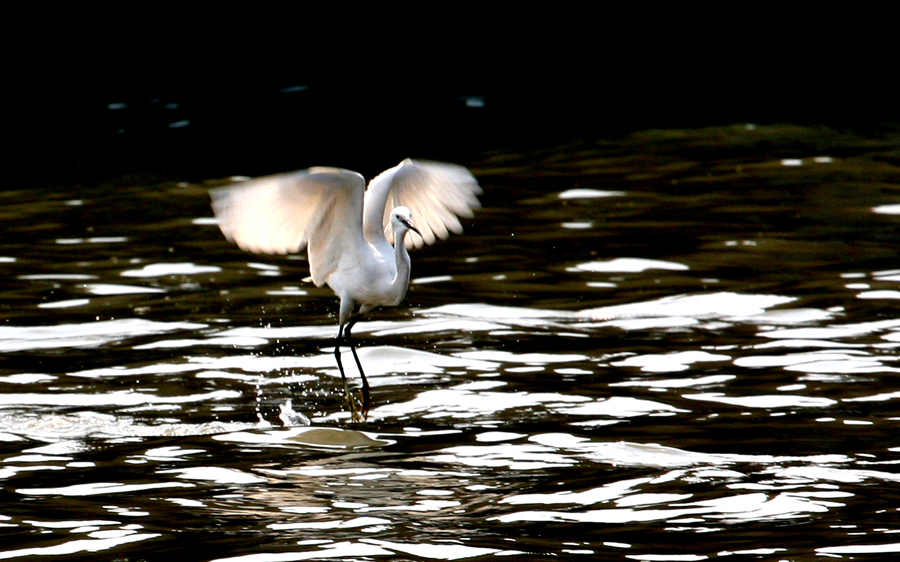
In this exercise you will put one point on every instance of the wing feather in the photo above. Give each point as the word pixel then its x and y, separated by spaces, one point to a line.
pixel 319 209
pixel 436 193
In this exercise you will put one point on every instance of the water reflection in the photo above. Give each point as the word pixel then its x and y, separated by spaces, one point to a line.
pixel 672 336
pixel 90 334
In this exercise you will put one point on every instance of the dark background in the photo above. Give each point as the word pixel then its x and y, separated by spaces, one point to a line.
pixel 89 103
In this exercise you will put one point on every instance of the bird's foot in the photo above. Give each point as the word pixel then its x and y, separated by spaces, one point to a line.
pixel 358 414
pixel 366 400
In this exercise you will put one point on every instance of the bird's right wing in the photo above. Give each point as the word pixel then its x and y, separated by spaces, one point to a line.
pixel 436 193
pixel 320 208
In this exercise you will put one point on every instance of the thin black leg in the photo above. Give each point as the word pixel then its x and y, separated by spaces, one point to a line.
pixel 366 397
pixel 337 356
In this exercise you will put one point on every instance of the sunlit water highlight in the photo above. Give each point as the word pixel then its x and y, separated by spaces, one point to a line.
pixel 636 351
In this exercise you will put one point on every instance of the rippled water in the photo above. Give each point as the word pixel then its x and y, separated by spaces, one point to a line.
pixel 680 345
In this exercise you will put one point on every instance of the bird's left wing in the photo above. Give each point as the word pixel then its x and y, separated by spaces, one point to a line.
pixel 320 208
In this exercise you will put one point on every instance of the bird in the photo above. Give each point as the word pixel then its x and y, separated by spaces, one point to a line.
pixel 356 237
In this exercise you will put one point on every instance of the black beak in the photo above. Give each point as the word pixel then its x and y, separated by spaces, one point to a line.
pixel 411 226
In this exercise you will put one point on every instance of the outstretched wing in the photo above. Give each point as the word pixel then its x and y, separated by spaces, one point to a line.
pixel 436 193
pixel 319 208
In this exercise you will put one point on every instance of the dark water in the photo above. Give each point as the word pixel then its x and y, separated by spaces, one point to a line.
pixel 680 345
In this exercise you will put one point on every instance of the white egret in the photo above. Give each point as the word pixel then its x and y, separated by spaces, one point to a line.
pixel 345 229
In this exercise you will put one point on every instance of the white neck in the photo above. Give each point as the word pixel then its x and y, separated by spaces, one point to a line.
pixel 401 259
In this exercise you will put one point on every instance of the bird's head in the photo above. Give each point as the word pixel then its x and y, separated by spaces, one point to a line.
pixel 401 220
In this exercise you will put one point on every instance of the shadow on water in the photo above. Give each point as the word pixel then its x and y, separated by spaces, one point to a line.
pixel 678 345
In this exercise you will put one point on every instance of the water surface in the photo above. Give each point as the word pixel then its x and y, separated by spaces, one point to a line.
pixel 679 345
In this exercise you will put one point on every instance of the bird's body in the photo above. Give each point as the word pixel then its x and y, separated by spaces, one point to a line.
pixel 345 228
